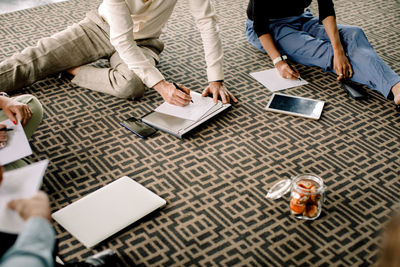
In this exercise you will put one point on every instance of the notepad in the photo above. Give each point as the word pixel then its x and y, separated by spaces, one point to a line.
pixel 19 183
pixel 193 111
pixel 107 210
pixel 273 80
pixel 17 144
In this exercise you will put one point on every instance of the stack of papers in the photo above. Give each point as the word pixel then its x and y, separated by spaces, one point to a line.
pixel 194 111
pixel 180 120
pixel 17 144
pixel 273 80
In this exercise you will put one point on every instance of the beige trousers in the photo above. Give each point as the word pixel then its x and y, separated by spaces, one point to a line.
pixel 78 45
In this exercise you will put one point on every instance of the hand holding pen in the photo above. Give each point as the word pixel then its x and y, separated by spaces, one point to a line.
pixel 294 73
pixel 287 71
pixel 180 89
pixel 172 95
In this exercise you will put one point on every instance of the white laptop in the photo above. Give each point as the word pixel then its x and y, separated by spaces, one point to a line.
pixel 106 211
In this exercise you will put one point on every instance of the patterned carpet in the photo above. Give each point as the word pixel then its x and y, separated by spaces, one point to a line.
pixel 216 179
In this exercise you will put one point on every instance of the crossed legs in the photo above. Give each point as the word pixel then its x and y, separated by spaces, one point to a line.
pixel 77 46
pixel 305 41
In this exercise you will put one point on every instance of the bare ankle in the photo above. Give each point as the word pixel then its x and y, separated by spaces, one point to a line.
pixel 396 93
pixel 73 71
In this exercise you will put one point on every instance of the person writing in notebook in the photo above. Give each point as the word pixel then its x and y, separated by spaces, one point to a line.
pixel 127 33
pixel 285 30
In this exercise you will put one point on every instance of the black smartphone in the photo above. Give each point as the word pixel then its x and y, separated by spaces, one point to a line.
pixel 354 90
pixel 138 127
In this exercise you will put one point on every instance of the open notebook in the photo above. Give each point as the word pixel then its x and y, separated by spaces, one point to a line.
pixel 108 210
pixel 180 120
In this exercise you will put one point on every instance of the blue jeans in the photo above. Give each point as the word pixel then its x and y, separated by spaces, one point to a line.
pixel 305 41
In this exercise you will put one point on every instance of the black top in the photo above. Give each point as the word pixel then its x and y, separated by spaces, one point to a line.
pixel 260 11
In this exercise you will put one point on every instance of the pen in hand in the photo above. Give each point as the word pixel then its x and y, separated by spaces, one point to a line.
pixel 290 66
pixel 177 87
pixel 5 129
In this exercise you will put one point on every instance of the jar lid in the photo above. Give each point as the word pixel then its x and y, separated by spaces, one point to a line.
pixel 279 189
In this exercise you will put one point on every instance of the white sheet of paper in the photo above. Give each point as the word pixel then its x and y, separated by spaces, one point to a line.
pixel 274 82
pixel 194 111
pixel 17 144
pixel 19 183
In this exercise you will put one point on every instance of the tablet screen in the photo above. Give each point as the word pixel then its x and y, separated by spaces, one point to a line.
pixel 293 104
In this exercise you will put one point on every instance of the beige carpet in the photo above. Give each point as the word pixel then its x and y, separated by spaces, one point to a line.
pixel 215 180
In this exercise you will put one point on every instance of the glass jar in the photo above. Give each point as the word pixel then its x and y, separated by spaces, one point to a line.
pixel 306 195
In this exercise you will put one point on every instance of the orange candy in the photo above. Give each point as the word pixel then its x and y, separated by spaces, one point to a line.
pixel 295 207
pixel 299 198
pixel 302 204
pixel 311 211
pixel 305 184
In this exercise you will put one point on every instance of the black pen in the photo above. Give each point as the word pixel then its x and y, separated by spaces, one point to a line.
pixel 5 129
pixel 290 66
pixel 177 87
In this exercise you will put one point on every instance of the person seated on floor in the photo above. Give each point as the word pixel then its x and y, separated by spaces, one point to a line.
pixel 284 29
pixel 127 33
pixel 25 109
pixel 35 244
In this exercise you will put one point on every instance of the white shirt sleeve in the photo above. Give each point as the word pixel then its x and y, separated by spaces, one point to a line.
pixel 119 18
pixel 206 20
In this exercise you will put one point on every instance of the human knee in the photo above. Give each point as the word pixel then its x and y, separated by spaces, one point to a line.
pixel 355 33
pixel 358 32
pixel 131 87
pixel 36 108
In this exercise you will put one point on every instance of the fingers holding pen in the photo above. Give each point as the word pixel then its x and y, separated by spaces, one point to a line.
pixel 287 70
pixel 182 95
pixel 173 95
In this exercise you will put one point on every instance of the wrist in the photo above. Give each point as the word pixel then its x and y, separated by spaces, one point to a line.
pixel 3 101
pixel 337 48
pixel 219 82
pixel 279 59
pixel 158 86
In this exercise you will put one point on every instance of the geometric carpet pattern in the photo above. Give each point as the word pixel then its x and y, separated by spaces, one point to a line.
pixel 215 180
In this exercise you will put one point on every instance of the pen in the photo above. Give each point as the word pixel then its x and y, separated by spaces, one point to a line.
pixel 5 129
pixel 177 87
pixel 290 66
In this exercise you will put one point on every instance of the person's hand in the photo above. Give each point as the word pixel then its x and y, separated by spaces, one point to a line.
pixel 217 89
pixel 342 65
pixel 286 71
pixel 172 95
pixel 16 111
pixel 38 205
pixel 3 136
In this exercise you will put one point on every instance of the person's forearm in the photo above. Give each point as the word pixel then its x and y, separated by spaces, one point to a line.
pixel 34 245
pixel 206 21
pixel 333 33
pixel 269 46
